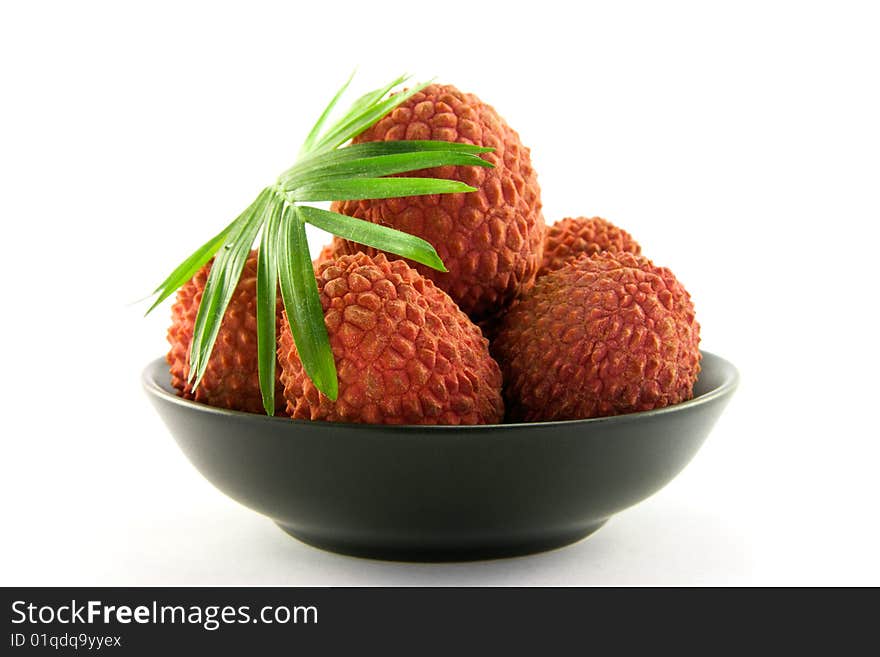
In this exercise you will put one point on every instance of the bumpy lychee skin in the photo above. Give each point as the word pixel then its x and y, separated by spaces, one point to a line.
pixel 405 353
pixel 328 253
pixel 570 238
pixel 232 378
pixel 605 335
pixel 490 240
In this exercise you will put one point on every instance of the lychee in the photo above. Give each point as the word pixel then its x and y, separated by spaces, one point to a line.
pixel 231 379
pixel 605 335
pixel 489 240
pixel 570 238
pixel 404 352
pixel 328 252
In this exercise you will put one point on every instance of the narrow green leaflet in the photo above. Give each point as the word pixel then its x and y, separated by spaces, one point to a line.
pixel 375 149
pixel 358 109
pixel 316 130
pixel 356 189
pixel 299 291
pixel 372 97
pixel 221 283
pixel 186 269
pixel 385 165
pixel 375 235
pixel 267 286
pixel 357 124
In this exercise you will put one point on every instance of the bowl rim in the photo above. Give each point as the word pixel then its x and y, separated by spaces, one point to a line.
pixel 727 386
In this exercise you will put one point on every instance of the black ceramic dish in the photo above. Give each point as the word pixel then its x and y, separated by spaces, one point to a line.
pixel 425 493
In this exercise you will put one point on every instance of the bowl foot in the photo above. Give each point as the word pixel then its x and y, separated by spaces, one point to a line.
pixel 441 552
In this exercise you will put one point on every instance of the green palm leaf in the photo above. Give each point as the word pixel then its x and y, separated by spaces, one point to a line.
pixel 187 269
pixel 375 149
pixel 299 290
pixel 385 165
pixel 221 284
pixel 267 287
pixel 375 235
pixel 356 189
pixel 323 172
pixel 360 121
pixel 316 130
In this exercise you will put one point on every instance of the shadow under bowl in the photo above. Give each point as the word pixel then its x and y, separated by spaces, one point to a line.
pixel 441 493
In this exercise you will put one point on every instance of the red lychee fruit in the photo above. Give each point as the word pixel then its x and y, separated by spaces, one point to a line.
pixel 605 335
pixel 570 238
pixel 405 353
pixel 231 379
pixel 490 240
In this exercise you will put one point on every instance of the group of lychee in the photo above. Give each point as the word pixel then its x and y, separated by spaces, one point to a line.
pixel 581 324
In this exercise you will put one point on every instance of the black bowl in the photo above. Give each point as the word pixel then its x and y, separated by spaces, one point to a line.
pixel 429 493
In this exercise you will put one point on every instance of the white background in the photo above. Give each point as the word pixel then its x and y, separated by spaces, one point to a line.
pixel 740 144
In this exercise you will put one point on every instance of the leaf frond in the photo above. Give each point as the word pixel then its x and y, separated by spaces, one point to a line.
pixel 222 281
pixel 375 235
pixel 324 171
pixel 267 290
pixel 385 165
pixel 325 115
pixel 375 149
pixel 356 189
pixel 187 269
pixel 365 118
pixel 299 291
